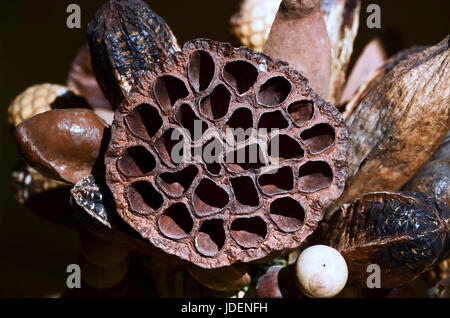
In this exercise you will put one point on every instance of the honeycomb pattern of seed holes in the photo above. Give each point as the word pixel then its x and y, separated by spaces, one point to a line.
pixel 240 75
pixel 272 120
pixel 234 195
pixel 301 111
pixel 186 117
pixel 283 147
pixel 168 90
pixel 210 238
pixel 277 181
pixel 287 213
pixel 238 126
pixel 144 121
pixel 314 176
pixel 209 198
pixel 246 158
pixel 165 146
pixel 136 161
pixel 274 91
pixel 246 194
pixel 143 198
pixel 215 106
pixel 249 232
pixel 176 222
pixel 176 184
pixel 201 70
pixel 318 138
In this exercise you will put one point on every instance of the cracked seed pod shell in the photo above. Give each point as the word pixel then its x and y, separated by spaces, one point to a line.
pixel 405 233
pixel 214 214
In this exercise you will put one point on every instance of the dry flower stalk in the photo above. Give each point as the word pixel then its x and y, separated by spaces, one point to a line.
pixel 399 123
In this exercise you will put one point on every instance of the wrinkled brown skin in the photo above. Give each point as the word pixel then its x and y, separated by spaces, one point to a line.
pixel 229 278
pixel 82 78
pixel 62 144
pixel 299 37
pixel 399 123
pixel 278 282
pixel 405 233
pixel 342 20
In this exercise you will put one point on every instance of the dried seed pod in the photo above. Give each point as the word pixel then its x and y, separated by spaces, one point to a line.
pixel 228 278
pixel 81 77
pixel 299 37
pixel 404 233
pixel 214 213
pixel 321 271
pixel 126 36
pixel 278 282
pixel 392 133
pixel 63 144
pixel 40 98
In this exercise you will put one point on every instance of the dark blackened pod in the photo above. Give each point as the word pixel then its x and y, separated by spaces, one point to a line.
pixel 404 233
pixel 126 36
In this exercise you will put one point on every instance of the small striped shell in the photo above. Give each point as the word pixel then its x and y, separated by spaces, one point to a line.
pixel 34 100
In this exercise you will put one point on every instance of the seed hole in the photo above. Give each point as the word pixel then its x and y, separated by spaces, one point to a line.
pixel 249 157
pixel 166 146
pixel 212 151
pixel 240 75
pixel 241 123
pixel 168 90
pixel 189 120
pixel 318 138
pixel 287 214
pixel 177 183
pixel 273 120
pixel 284 147
pixel 209 198
pixel 314 176
pixel 144 121
pixel 215 106
pixel 274 91
pixel 249 232
pixel 246 194
pixel 136 161
pixel 143 198
pixel 278 181
pixel 201 70
pixel 210 239
pixel 301 111
pixel 176 222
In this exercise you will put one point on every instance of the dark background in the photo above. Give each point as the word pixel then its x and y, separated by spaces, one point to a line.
pixel 37 47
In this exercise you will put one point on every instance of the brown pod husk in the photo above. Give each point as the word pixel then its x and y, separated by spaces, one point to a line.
pixel 405 233
pixel 342 21
pixel 214 214
pixel 399 123
pixel 224 279
pixel 278 282
pixel 125 37
pixel 299 36
pixel 81 77
pixel 62 144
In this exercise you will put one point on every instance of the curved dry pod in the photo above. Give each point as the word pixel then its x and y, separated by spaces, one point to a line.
pixel 404 233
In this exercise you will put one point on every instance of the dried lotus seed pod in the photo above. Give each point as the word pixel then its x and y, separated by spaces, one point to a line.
pixel 62 144
pixel 321 271
pixel 404 233
pixel 250 199
pixel 40 98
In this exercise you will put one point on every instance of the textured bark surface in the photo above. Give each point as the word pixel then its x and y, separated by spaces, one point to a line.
pixel 399 123
pixel 342 21
pixel 299 36
pixel 126 36
pixel 63 144
pixel 405 233
pixel 214 214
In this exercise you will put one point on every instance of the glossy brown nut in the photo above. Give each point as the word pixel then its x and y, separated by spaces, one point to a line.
pixel 62 144
pixel 229 278
pixel 278 282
